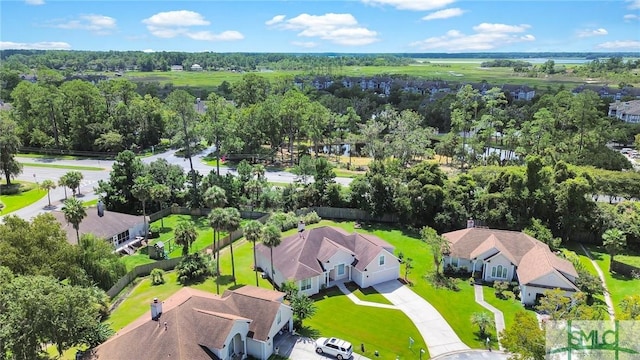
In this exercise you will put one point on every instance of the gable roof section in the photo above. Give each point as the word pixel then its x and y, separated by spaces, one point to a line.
pixel 533 258
pixel 539 262
pixel 195 319
pixel 112 223
pixel 300 256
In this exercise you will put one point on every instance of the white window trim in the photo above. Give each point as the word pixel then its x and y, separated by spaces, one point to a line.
pixel 341 266
pixel 381 260
pixel 303 284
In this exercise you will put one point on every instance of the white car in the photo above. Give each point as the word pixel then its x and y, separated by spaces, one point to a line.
pixel 341 349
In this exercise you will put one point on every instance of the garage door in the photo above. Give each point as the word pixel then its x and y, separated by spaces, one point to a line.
pixel 382 276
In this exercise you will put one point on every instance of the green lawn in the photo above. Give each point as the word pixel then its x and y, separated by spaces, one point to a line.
pixel 509 308
pixel 368 294
pixel 633 260
pixel 619 286
pixel 384 330
pixel 28 195
pixel 347 173
pixel 58 166
pixel 588 265
pixel 52 157
pixel 90 203
pixel 205 238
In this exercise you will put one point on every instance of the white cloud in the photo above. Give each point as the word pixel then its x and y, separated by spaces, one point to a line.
pixel 229 35
pixel 414 5
pixel 304 44
pixel 43 45
pixel 171 24
pixel 148 51
pixel 274 20
pixel 500 28
pixel 182 18
pixel 342 29
pixel 620 44
pixel 34 2
pixel 99 24
pixel 631 17
pixel 444 14
pixel 592 32
pixel 486 37
pixel 633 4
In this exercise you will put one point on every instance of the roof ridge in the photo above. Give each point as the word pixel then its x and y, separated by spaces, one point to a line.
pixel 221 314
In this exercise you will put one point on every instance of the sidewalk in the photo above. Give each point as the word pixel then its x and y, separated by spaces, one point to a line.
pixel 497 314
pixel 435 330
pixel 607 296
pixel 357 301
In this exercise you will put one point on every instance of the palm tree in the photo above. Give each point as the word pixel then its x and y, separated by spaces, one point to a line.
pixel 185 234
pixel 271 239
pixel 64 182
pixel 232 223
pixel 48 185
pixel 484 321
pixel 74 212
pixel 161 193
pixel 258 171
pixel 142 191
pixel 217 220
pixel 73 179
pixel 252 232
pixel 215 197
pixel 253 186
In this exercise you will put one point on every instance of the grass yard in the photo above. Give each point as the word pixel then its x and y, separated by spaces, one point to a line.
pixel 137 302
pixel 52 157
pixel 384 330
pixel 29 193
pixel 59 166
pixel 619 286
pixel 508 307
pixel 347 173
pixel 586 262
pixel 368 294
pixel 90 203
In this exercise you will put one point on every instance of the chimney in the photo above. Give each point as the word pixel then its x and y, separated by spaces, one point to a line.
pixel 471 224
pixel 156 309
pixel 100 208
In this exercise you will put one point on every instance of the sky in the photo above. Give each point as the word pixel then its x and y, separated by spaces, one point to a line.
pixel 354 26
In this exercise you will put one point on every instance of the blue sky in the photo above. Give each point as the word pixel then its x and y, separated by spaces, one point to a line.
pixel 383 26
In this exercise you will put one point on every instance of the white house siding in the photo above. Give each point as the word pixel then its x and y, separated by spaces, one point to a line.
pixel 376 273
pixel 258 349
pixel 528 293
pixel 553 280
pixel 357 276
pixel 498 260
pixel 240 327
pixel 340 257
pixel 316 283
pixel 137 230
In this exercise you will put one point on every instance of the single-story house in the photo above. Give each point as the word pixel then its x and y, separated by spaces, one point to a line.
pixel 196 67
pixel 115 227
pixel 177 68
pixel 501 255
pixel 197 325
pixel 315 258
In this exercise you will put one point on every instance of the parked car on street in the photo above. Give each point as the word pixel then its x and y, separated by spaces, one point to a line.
pixel 341 349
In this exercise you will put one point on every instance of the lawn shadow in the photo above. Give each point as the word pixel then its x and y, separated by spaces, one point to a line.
pixel 374 226
pixel 307 331
pixel 327 293
pixel 621 277
pixel 224 279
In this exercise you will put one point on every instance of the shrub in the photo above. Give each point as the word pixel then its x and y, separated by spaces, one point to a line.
pixel 500 287
pixel 192 267
pixel 311 218
pixel 157 277
pixel 284 221
pixel 1 205
pixel 442 281
pixel 508 295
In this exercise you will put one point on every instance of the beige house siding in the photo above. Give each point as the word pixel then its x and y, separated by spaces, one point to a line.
pixel 498 262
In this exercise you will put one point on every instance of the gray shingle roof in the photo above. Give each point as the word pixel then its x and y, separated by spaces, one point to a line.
pixel 112 223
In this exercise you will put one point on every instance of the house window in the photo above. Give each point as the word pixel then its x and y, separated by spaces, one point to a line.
pixel 341 269
pixel 305 284
pixel 381 260
pixel 499 272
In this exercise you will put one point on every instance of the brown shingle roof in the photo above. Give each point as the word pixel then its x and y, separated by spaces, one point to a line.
pixel 532 257
pixel 111 224
pixel 300 256
pixel 194 319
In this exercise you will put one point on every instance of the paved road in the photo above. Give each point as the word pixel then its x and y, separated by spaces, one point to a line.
pixel 91 178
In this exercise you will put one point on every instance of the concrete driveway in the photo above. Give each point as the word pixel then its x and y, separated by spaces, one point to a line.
pixel 435 330
pixel 302 348
pixel 473 355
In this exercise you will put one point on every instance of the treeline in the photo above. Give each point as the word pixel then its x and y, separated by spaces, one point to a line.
pixel 505 63
pixel 162 61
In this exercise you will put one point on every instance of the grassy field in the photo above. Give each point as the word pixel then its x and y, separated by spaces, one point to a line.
pixel 459 71
pixel 508 307
pixel 47 156
pixel 369 294
pixel 29 194
pixel 58 166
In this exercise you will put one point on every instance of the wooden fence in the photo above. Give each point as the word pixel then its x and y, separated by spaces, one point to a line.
pixel 349 214
pixel 141 270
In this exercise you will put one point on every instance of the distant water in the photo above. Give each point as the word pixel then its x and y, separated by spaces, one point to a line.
pixel 557 61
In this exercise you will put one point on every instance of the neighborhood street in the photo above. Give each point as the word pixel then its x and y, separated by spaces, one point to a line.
pixel 91 178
